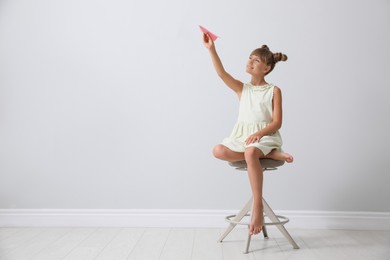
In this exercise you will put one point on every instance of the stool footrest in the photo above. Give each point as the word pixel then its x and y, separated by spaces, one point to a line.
pixel 282 220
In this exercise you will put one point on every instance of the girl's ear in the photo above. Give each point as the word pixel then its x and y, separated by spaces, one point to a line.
pixel 267 68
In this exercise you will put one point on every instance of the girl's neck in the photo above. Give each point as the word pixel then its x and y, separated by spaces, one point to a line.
pixel 258 81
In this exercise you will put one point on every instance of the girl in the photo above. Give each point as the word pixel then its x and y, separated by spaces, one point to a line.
pixel 255 135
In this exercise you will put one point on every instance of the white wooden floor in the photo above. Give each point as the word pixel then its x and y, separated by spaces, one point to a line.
pixel 186 244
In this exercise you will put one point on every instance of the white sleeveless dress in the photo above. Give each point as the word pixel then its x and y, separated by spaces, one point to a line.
pixel 255 113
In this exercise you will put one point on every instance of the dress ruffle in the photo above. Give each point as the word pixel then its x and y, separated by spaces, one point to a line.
pixel 241 131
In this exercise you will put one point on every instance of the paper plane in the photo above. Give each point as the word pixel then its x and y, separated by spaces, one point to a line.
pixel 212 35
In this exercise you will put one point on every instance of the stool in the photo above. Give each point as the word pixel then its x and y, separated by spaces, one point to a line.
pixel 278 221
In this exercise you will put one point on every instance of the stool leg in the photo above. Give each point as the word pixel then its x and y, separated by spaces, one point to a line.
pixel 238 217
pixel 247 242
pixel 265 233
pixel 269 212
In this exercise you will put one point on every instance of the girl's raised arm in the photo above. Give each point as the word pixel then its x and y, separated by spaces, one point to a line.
pixel 231 82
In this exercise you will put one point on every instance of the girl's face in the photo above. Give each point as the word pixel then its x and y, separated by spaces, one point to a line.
pixel 256 67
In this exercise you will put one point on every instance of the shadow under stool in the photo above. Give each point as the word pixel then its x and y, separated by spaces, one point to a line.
pixel 276 220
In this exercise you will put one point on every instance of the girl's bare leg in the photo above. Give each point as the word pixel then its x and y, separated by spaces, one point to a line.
pixel 222 152
pixel 255 173
pixel 280 156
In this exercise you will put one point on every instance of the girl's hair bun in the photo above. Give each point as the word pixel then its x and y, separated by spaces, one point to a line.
pixel 264 47
pixel 278 56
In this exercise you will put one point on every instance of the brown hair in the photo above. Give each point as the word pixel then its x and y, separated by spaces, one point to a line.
pixel 268 57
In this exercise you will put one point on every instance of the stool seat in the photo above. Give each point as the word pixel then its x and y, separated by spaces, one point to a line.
pixel 266 163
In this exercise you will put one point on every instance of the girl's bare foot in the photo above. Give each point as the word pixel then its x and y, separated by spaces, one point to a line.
pixel 281 156
pixel 287 157
pixel 257 221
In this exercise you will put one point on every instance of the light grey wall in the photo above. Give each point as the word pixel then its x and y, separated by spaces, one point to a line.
pixel 115 104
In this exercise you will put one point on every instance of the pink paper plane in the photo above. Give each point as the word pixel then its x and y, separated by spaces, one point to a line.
pixel 212 35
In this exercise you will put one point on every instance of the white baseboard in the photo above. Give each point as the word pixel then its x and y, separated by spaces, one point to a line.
pixel 350 220
pixel 183 218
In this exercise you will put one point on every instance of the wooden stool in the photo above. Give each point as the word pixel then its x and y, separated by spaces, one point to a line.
pixel 278 221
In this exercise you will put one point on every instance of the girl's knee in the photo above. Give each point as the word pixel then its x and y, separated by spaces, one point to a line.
pixel 252 153
pixel 219 151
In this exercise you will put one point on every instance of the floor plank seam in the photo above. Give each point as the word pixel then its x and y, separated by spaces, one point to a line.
pixel 136 243
pixel 24 242
pixel 48 245
pixel 82 241
pixel 165 243
pixel 108 243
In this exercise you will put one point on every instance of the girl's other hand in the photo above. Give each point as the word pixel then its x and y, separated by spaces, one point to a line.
pixel 253 138
pixel 207 41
